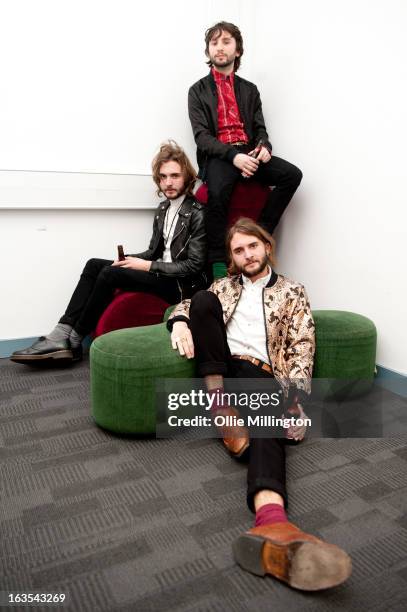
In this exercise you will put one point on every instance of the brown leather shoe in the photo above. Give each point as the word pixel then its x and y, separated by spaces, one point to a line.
pixel 235 437
pixel 299 559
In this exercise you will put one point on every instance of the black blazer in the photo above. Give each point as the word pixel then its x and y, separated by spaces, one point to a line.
pixel 203 114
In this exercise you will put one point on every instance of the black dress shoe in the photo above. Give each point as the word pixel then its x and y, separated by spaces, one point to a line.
pixel 43 348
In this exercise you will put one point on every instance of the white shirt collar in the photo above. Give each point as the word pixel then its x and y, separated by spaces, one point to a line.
pixel 178 201
pixel 260 282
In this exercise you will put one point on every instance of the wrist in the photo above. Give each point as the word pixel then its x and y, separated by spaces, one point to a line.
pixel 179 325
pixel 232 155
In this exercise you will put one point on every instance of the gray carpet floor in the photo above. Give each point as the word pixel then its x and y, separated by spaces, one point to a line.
pixel 126 524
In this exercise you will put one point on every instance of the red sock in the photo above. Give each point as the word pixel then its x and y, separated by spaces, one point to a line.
pixel 270 513
pixel 218 403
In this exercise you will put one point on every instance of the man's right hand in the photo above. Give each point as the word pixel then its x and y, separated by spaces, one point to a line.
pixel 248 165
pixel 181 339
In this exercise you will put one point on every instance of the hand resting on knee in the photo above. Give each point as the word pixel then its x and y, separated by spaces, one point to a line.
pixel 181 339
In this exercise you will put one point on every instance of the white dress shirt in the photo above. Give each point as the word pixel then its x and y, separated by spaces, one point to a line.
pixel 246 329
pixel 170 222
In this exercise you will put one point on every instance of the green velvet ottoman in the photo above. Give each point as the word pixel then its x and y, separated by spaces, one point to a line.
pixel 126 363
pixel 345 344
pixel 345 352
pixel 124 367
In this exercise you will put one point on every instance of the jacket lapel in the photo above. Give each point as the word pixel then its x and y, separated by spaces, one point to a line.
pixel 161 216
pixel 183 216
pixel 241 107
pixel 213 100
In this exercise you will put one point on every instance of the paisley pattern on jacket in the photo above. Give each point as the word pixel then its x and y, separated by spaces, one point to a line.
pixel 290 328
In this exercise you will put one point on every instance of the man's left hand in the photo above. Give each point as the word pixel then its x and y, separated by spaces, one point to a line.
pixel 295 432
pixel 134 263
pixel 264 155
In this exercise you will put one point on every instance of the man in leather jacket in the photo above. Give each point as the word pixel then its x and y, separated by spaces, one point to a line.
pixel 171 268
pixel 229 130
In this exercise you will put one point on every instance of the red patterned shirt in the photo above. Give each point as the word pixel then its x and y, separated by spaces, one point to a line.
pixel 230 125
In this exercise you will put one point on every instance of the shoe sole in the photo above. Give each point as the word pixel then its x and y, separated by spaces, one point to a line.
pixel 304 565
pixel 56 355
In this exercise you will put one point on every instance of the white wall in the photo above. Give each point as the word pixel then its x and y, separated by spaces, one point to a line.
pixel 332 79
pixel 90 84
pixel 45 252
pixel 71 102
pixel 333 82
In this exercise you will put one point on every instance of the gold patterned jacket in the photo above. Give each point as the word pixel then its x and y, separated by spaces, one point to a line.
pixel 290 329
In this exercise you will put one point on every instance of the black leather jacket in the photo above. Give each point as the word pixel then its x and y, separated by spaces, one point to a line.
pixel 203 113
pixel 188 247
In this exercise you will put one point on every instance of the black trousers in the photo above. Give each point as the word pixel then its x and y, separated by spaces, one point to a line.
pixel 96 288
pixel 221 177
pixel 266 457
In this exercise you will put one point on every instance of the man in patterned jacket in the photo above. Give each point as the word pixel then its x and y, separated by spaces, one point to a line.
pixel 258 324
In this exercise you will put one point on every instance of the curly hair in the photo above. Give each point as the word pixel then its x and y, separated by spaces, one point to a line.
pixel 247 226
pixel 171 151
pixel 216 31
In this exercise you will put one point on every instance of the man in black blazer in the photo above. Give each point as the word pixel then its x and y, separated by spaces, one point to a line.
pixel 171 268
pixel 229 130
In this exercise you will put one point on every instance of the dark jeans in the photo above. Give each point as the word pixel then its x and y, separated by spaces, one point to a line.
pixel 96 288
pixel 221 177
pixel 266 467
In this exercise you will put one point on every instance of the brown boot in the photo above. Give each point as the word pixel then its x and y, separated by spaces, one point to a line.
pixel 235 437
pixel 299 559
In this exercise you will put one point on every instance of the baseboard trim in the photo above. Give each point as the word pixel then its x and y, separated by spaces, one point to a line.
pixel 9 346
pixel 391 380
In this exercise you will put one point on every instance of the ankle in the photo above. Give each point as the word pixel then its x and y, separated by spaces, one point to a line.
pixel 216 396
pixel 75 339
pixel 60 332
pixel 269 514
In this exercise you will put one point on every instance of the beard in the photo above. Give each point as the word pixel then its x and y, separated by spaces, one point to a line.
pixel 261 265
pixel 222 63
pixel 174 193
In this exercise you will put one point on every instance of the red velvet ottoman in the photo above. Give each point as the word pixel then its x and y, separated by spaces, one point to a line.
pixel 131 309
pixel 248 200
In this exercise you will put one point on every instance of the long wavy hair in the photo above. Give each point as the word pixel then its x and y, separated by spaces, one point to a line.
pixel 231 29
pixel 247 226
pixel 171 151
